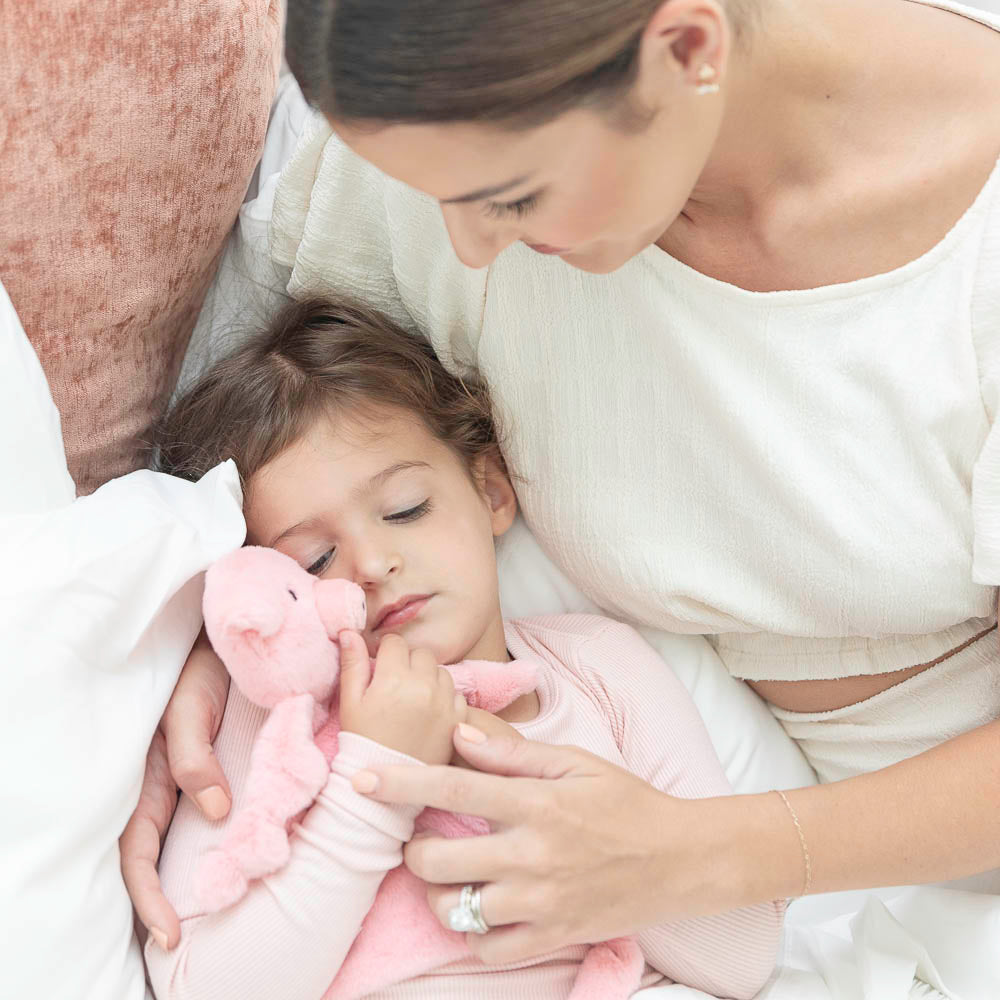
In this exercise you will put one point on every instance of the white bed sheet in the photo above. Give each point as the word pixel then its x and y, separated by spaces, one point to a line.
pixel 894 944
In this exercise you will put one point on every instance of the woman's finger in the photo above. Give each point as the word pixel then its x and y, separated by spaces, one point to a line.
pixel 513 943
pixel 511 755
pixel 189 725
pixel 496 906
pixel 457 860
pixel 140 850
pixel 139 847
pixel 454 789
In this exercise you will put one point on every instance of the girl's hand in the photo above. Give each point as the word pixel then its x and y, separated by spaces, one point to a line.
pixel 180 756
pixel 408 702
pixel 581 850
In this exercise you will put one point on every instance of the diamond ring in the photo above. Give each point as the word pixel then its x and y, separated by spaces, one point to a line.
pixel 467 916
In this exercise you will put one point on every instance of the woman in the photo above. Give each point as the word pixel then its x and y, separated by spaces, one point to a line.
pixel 786 360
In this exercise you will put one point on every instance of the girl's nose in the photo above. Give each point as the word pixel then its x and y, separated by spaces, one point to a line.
pixel 374 564
pixel 477 240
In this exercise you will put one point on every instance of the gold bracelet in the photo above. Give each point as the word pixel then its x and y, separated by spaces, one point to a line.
pixel 807 884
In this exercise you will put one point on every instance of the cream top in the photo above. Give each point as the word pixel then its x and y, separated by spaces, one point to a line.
pixel 813 476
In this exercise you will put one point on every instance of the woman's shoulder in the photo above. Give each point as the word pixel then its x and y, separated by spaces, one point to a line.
pixel 345 228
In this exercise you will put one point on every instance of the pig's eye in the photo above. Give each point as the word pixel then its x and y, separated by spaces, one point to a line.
pixel 292 592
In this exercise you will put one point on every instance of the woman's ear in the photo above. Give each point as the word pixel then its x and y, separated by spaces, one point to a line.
pixel 499 493
pixel 686 42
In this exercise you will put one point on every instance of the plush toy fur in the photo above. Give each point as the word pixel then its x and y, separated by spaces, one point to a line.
pixel 275 627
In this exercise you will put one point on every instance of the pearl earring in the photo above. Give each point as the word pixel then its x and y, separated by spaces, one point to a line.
pixel 707 84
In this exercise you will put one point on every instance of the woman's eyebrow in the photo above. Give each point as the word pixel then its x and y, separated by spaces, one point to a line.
pixel 487 192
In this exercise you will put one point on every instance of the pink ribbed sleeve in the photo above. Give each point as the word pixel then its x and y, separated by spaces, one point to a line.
pixel 290 933
pixel 664 740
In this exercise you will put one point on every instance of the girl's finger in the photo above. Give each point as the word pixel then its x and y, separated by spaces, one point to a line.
pixel 355 667
pixel 393 655
pixel 424 661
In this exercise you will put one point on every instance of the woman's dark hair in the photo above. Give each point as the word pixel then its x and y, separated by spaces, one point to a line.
pixel 514 62
pixel 318 359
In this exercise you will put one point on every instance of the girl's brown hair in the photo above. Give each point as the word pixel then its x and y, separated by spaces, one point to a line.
pixel 318 358
pixel 514 62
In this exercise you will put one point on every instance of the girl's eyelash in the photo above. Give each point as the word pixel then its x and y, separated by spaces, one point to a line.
pixel 400 517
pixel 411 514
pixel 321 564
pixel 504 209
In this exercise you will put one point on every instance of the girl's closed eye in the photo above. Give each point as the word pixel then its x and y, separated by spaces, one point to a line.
pixel 322 563
pixel 411 513
pixel 519 209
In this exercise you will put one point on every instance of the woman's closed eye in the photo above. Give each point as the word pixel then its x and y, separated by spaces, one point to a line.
pixel 505 209
pixel 411 513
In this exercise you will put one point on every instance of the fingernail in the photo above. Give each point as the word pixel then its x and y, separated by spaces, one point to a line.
pixel 213 802
pixel 159 937
pixel 470 734
pixel 365 782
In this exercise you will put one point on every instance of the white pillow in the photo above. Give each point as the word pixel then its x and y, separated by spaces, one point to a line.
pixel 33 473
pixel 99 605
pixel 755 751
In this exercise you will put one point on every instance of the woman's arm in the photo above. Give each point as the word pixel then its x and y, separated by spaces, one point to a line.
pixel 606 854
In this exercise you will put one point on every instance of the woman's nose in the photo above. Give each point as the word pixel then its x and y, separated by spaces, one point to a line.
pixel 477 240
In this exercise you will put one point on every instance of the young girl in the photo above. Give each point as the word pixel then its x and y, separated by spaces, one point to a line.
pixel 363 458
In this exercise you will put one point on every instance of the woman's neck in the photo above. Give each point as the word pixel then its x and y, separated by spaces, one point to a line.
pixel 821 86
pixel 855 134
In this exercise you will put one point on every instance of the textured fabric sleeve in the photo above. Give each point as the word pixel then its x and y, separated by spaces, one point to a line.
pixel 663 740
pixel 289 935
pixel 986 339
pixel 344 228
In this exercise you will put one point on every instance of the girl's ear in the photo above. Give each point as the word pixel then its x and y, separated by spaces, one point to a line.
pixel 499 493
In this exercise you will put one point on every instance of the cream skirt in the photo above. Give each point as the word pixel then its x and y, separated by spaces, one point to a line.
pixel 944 701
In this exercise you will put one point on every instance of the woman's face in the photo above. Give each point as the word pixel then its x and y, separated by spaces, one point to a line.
pixel 576 186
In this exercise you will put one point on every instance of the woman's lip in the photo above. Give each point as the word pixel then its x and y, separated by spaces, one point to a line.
pixel 401 612
pixel 545 248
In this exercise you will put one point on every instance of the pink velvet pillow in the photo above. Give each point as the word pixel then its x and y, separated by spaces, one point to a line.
pixel 129 133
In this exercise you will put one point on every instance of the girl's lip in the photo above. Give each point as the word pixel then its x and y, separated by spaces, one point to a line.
pixel 401 612
pixel 545 248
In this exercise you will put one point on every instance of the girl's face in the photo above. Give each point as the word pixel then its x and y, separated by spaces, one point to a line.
pixel 397 512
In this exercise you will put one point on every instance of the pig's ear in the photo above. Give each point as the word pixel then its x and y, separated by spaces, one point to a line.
pixel 238 625
pixel 263 618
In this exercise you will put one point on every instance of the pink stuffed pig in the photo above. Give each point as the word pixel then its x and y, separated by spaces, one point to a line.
pixel 275 628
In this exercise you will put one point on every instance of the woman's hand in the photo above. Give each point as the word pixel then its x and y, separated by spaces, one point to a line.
pixel 581 850
pixel 179 756
pixel 406 702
